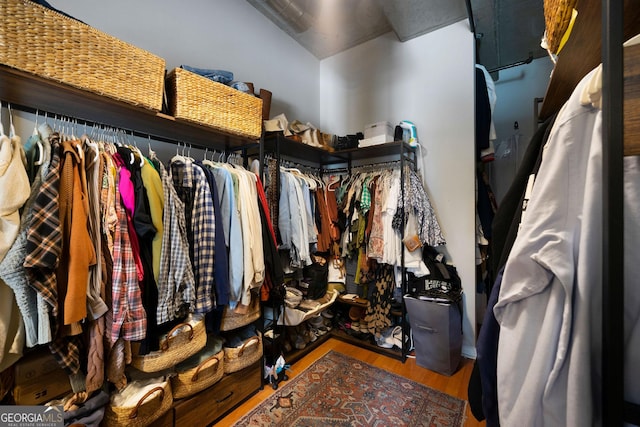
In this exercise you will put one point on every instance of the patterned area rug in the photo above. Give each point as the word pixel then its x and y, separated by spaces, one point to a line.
pixel 338 390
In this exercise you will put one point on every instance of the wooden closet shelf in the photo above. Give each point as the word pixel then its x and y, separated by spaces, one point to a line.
pixel 276 143
pixel 582 52
pixel 28 90
pixel 632 100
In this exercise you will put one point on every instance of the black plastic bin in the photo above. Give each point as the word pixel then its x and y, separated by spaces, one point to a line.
pixel 437 333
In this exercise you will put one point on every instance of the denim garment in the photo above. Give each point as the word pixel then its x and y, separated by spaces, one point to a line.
pixel 241 86
pixel 284 216
pixel 220 76
pixel 232 232
pixel 300 238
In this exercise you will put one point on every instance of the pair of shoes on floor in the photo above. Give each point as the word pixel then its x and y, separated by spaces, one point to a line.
pixel 385 339
pixel 391 337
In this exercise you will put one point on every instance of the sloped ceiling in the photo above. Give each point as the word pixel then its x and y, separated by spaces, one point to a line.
pixel 508 31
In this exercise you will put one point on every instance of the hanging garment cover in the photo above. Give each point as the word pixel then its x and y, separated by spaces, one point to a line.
pixel 549 298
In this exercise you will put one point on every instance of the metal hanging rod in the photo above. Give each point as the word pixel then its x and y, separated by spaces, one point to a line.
pixel 90 123
pixel 515 64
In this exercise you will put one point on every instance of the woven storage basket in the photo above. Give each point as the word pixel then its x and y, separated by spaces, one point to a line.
pixel 197 99
pixel 557 16
pixel 40 41
pixel 232 320
pixel 183 341
pixel 237 358
pixel 149 408
pixel 192 380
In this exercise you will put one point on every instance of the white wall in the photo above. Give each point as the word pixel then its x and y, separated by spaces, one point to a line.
pixel 516 89
pixel 430 81
pixel 218 34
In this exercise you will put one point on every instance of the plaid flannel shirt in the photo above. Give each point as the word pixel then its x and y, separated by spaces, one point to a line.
pixel 191 185
pixel 44 237
pixel 176 282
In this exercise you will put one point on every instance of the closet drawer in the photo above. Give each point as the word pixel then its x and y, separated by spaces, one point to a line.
pixel 212 403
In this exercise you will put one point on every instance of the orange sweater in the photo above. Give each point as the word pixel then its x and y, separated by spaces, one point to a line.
pixel 77 250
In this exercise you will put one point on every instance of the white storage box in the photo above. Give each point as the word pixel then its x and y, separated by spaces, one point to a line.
pixel 378 129
pixel 375 140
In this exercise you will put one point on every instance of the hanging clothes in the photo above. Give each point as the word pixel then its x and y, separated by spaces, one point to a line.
pixel 15 190
pixel 192 188
pixel 549 297
pixel 221 261
pixel 176 280
pixel 232 230
pixel 34 312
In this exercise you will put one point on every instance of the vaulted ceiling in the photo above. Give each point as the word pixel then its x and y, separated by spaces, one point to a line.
pixel 507 31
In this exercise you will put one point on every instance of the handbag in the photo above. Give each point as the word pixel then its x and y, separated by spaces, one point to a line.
pixel 316 278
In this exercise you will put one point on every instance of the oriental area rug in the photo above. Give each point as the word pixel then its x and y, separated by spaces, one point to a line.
pixel 338 390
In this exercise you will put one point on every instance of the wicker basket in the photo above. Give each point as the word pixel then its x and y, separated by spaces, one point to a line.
pixel 197 99
pixel 557 16
pixel 190 381
pixel 233 320
pixel 237 358
pixel 149 408
pixel 183 341
pixel 40 41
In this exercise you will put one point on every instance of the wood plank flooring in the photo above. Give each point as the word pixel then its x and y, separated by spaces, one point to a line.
pixel 455 385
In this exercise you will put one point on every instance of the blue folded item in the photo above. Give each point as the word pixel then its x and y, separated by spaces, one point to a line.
pixel 220 76
pixel 241 86
pixel 240 336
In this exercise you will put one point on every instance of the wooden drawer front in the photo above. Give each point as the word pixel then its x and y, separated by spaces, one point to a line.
pixel 210 404
pixel 165 421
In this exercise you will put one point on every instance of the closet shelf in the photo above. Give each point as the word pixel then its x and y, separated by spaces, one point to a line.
pixel 582 52
pixel 277 143
pixel 34 92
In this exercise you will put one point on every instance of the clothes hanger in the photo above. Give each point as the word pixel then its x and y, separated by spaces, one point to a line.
pixel 134 149
pixel 86 140
pixel 208 162
pixel 40 160
pixel 1 125
pixel 178 158
pixel 12 129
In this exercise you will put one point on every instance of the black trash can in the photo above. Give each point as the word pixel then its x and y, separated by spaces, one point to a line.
pixel 437 333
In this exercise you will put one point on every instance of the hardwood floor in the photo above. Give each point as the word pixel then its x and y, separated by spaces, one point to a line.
pixel 455 385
